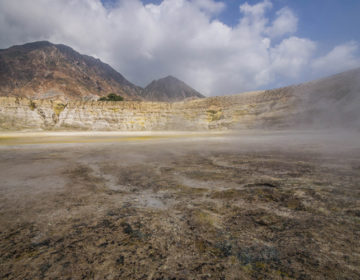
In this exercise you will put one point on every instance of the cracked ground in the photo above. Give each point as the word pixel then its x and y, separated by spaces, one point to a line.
pixel 262 206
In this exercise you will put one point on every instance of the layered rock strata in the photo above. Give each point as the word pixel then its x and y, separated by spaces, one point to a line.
pixel 246 110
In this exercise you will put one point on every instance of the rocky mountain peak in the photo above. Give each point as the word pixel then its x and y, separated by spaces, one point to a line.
pixel 169 89
pixel 42 70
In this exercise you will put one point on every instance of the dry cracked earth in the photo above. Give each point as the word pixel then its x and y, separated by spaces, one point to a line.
pixel 254 206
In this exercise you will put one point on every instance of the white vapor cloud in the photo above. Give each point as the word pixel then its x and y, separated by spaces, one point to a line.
pixel 183 38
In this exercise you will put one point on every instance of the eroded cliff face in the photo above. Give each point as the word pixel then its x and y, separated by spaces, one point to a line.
pixel 248 110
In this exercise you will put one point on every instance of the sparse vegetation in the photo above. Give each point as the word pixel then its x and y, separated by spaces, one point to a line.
pixel 214 114
pixel 32 105
pixel 58 108
pixel 111 97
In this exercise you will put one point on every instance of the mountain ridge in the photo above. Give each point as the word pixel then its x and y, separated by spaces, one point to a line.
pixel 43 70
pixel 169 89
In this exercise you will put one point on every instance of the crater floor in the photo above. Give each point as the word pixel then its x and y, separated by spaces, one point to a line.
pixel 250 205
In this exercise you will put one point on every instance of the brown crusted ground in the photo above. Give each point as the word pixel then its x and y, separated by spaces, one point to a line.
pixel 246 207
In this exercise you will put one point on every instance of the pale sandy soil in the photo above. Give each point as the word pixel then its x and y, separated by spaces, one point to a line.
pixel 61 137
pixel 246 205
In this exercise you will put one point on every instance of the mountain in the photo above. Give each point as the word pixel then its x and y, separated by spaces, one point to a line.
pixel 169 89
pixel 42 70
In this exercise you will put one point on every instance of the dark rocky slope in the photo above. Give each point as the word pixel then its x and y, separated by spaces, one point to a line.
pixel 45 70
pixel 42 70
pixel 169 89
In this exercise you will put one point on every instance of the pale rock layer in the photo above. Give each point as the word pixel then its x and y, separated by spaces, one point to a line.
pixel 247 110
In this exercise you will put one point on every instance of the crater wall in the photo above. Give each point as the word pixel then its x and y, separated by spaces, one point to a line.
pixel 247 110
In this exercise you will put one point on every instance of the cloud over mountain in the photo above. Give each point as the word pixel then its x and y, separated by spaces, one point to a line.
pixel 184 38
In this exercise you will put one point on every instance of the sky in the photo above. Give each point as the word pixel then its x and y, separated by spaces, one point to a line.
pixel 217 47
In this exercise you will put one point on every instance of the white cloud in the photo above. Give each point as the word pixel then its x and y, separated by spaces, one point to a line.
pixel 178 37
pixel 292 56
pixel 210 6
pixel 340 58
pixel 254 19
pixel 285 23
pixel 256 10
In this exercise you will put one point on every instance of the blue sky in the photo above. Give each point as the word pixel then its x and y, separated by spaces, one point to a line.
pixel 217 47
pixel 328 21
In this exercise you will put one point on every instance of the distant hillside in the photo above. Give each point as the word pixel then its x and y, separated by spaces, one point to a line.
pixel 44 70
pixel 169 89
pixel 333 101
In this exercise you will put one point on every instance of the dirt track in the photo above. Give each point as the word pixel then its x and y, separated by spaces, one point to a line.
pixel 250 206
